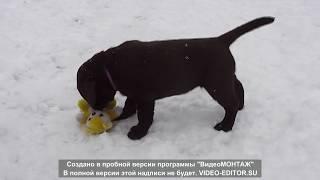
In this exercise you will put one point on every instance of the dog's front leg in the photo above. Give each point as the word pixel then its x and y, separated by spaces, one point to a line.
pixel 129 109
pixel 145 117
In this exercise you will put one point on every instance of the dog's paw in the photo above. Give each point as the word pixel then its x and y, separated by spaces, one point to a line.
pixel 220 126
pixel 137 132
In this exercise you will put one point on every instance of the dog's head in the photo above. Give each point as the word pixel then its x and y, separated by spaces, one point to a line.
pixel 93 83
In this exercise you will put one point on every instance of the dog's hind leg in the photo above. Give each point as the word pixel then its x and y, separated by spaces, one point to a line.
pixel 225 94
pixel 240 92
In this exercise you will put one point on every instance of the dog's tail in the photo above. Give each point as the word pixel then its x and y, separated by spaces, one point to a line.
pixel 229 37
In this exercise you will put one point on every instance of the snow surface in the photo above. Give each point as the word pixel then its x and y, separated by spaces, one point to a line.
pixel 43 43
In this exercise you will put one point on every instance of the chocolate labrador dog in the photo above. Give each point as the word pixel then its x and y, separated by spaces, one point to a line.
pixel 147 71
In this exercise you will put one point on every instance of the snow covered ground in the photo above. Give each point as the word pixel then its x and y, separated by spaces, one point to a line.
pixel 43 42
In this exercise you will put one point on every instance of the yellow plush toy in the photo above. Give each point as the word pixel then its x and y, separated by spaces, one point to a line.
pixel 97 122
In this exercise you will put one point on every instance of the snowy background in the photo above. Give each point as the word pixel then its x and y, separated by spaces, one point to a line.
pixel 43 42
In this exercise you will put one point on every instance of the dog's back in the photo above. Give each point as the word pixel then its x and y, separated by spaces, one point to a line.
pixel 170 67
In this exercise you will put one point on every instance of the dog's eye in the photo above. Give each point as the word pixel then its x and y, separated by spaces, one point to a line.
pixel 101 115
pixel 94 113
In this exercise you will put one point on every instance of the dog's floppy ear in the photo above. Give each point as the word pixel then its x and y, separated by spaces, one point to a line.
pixel 91 95
pixel 86 82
